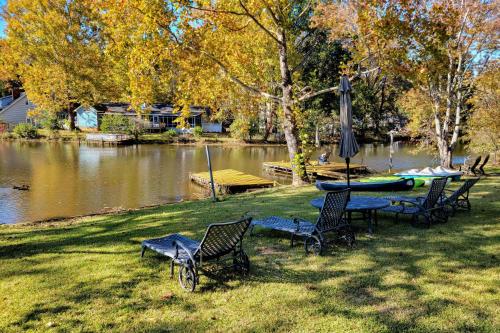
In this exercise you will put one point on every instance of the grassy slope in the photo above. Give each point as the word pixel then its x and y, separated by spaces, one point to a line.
pixel 87 275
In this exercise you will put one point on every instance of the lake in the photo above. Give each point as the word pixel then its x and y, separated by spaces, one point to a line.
pixel 68 179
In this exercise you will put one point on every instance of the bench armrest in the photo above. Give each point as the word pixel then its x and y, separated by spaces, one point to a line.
pixel 297 221
pixel 414 203
pixel 178 244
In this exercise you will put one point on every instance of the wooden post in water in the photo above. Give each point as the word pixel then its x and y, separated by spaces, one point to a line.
pixel 391 149
pixel 212 185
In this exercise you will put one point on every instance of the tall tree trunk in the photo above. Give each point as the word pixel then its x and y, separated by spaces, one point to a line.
pixel 72 118
pixel 317 141
pixel 269 119
pixel 299 175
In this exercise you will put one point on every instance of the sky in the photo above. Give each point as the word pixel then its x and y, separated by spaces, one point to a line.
pixel 2 23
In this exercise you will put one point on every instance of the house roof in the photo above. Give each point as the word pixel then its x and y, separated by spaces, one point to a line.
pixel 21 97
pixel 157 108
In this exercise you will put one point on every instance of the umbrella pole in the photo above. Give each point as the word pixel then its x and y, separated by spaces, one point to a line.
pixel 347 160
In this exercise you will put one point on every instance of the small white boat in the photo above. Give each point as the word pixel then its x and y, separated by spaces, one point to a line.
pixel 431 173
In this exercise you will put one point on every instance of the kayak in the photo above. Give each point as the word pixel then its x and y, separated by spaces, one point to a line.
pixel 431 173
pixel 383 185
pixel 418 181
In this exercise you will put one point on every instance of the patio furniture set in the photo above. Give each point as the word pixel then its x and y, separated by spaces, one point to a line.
pixel 223 242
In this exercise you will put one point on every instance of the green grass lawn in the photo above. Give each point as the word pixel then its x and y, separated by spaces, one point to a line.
pixel 87 275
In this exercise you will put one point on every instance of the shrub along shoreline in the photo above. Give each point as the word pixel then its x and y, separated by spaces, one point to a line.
pixel 87 275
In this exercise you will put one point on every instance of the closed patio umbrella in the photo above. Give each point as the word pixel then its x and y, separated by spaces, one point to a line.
pixel 348 145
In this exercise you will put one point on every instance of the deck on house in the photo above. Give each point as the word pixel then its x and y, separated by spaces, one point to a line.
pixel 331 170
pixel 230 181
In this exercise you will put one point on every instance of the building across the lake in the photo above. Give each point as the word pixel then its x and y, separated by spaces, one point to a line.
pixel 160 116
pixel 14 108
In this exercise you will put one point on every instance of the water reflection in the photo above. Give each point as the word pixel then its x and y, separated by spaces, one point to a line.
pixel 68 179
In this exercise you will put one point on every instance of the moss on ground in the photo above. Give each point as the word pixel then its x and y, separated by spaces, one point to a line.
pixel 87 275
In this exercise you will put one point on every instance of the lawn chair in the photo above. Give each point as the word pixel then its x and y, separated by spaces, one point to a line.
pixel 220 240
pixel 428 207
pixel 330 220
pixel 470 169
pixel 458 199
pixel 486 159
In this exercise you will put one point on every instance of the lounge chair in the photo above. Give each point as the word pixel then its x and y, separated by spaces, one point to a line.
pixel 470 169
pixel 331 219
pixel 486 159
pixel 220 240
pixel 428 207
pixel 458 199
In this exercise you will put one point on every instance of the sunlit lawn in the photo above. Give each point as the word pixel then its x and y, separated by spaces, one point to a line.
pixel 87 275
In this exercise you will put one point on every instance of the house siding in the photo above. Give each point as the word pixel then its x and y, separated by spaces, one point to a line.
pixel 17 111
pixel 86 118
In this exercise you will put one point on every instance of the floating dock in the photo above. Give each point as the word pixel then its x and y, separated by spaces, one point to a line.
pixel 331 170
pixel 230 181
pixel 108 138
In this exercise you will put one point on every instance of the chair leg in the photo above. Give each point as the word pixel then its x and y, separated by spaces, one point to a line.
pixel 142 251
pixel 171 269
pixel 291 241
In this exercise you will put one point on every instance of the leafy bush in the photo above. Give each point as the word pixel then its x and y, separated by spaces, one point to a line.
pixel 111 123
pixel 137 127
pixel 170 134
pixel 26 131
pixel 49 121
pixel 197 131
pixel 244 128
pixel 6 135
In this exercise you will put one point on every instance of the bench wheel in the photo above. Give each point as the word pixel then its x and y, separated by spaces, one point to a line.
pixel 313 245
pixel 242 263
pixel 187 278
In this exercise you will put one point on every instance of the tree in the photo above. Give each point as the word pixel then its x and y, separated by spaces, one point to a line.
pixel 230 53
pixel 245 38
pixel 484 125
pixel 439 46
pixel 56 49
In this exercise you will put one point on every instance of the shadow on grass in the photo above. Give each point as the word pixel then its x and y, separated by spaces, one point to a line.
pixel 394 248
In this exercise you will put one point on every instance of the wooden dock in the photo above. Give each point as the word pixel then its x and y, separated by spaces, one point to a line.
pixel 230 181
pixel 331 170
pixel 108 138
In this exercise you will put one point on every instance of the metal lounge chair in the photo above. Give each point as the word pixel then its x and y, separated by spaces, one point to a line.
pixel 220 240
pixel 331 219
pixel 486 159
pixel 470 169
pixel 428 207
pixel 458 199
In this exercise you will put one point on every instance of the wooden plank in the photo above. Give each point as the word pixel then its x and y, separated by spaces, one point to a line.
pixel 331 170
pixel 229 180
pixel 108 137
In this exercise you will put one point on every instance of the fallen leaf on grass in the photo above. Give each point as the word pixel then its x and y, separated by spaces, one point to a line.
pixel 167 296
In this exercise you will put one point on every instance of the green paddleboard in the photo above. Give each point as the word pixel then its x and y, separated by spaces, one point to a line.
pixel 418 182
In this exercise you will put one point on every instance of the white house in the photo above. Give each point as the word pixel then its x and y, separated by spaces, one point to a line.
pixel 17 111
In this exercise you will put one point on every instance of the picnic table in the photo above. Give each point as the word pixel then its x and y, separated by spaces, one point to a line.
pixel 365 205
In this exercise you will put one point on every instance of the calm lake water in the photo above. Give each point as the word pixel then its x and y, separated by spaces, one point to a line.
pixel 67 179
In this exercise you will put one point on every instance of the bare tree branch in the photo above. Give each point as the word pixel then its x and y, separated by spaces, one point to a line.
pixel 327 90
pixel 221 65
pixel 266 30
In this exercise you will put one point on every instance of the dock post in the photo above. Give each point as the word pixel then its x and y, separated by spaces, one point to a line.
pixel 212 185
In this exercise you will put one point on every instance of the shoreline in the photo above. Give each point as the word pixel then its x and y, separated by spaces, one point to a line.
pixel 155 138
pixel 110 211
